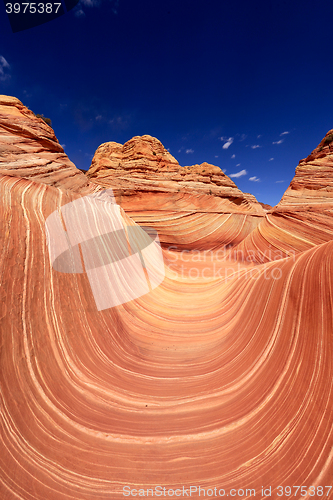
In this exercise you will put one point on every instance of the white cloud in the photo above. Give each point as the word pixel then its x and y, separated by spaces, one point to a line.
pixel 189 151
pixel 258 136
pixel 98 117
pixel 239 174
pixel 238 165
pixel 271 159
pixel 254 179
pixel 216 156
pixel 228 143
pixel 4 67
pixel 278 182
pixel 233 156
pixel 63 145
pixel 284 133
pixel 255 146
pixel 243 137
pixel 3 62
pixel 224 170
pixel 278 142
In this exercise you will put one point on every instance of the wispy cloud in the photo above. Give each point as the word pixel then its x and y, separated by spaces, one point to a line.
pixel 216 156
pixel 228 142
pixel 278 182
pixel 90 3
pixel 238 165
pixel 271 159
pixel 4 69
pixel 239 174
pixel 278 142
pixel 255 146
pixel 79 13
pixel 258 136
pixel 95 3
pixel 189 151
pixel 120 122
pixel 254 179
pixel 233 156
pixel 243 137
pixel 115 7
pixel 284 133
pixel 98 117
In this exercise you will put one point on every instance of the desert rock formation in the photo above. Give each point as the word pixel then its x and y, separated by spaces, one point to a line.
pixel 304 217
pixel 220 378
pixel 30 149
pixel 155 190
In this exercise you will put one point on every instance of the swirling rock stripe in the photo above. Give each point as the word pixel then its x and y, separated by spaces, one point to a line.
pixel 218 383
pixel 198 231
pixel 283 234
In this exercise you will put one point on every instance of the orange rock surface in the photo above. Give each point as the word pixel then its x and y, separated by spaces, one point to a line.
pixel 220 378
pixel 304 217
pixel 29 148
pixel 196 206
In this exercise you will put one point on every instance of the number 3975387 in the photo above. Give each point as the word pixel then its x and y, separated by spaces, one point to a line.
pixel 32 8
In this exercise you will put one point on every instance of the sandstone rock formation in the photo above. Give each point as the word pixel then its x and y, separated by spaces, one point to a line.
pixel 313 181
pixel 29 148
pixel 155 190
pixel 220 378
pixel 304 216
pixel 143 166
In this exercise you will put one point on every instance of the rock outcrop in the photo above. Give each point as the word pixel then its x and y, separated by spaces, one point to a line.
pixel 143 171
pixel 304 216
pixel 30 149
pixel 220 378
pixel 153 189
pixel 313 182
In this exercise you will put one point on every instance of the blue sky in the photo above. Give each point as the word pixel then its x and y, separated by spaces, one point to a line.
pixel 243 85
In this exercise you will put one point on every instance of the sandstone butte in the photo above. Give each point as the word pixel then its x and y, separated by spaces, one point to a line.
pixel 194 206
pixel 214 380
